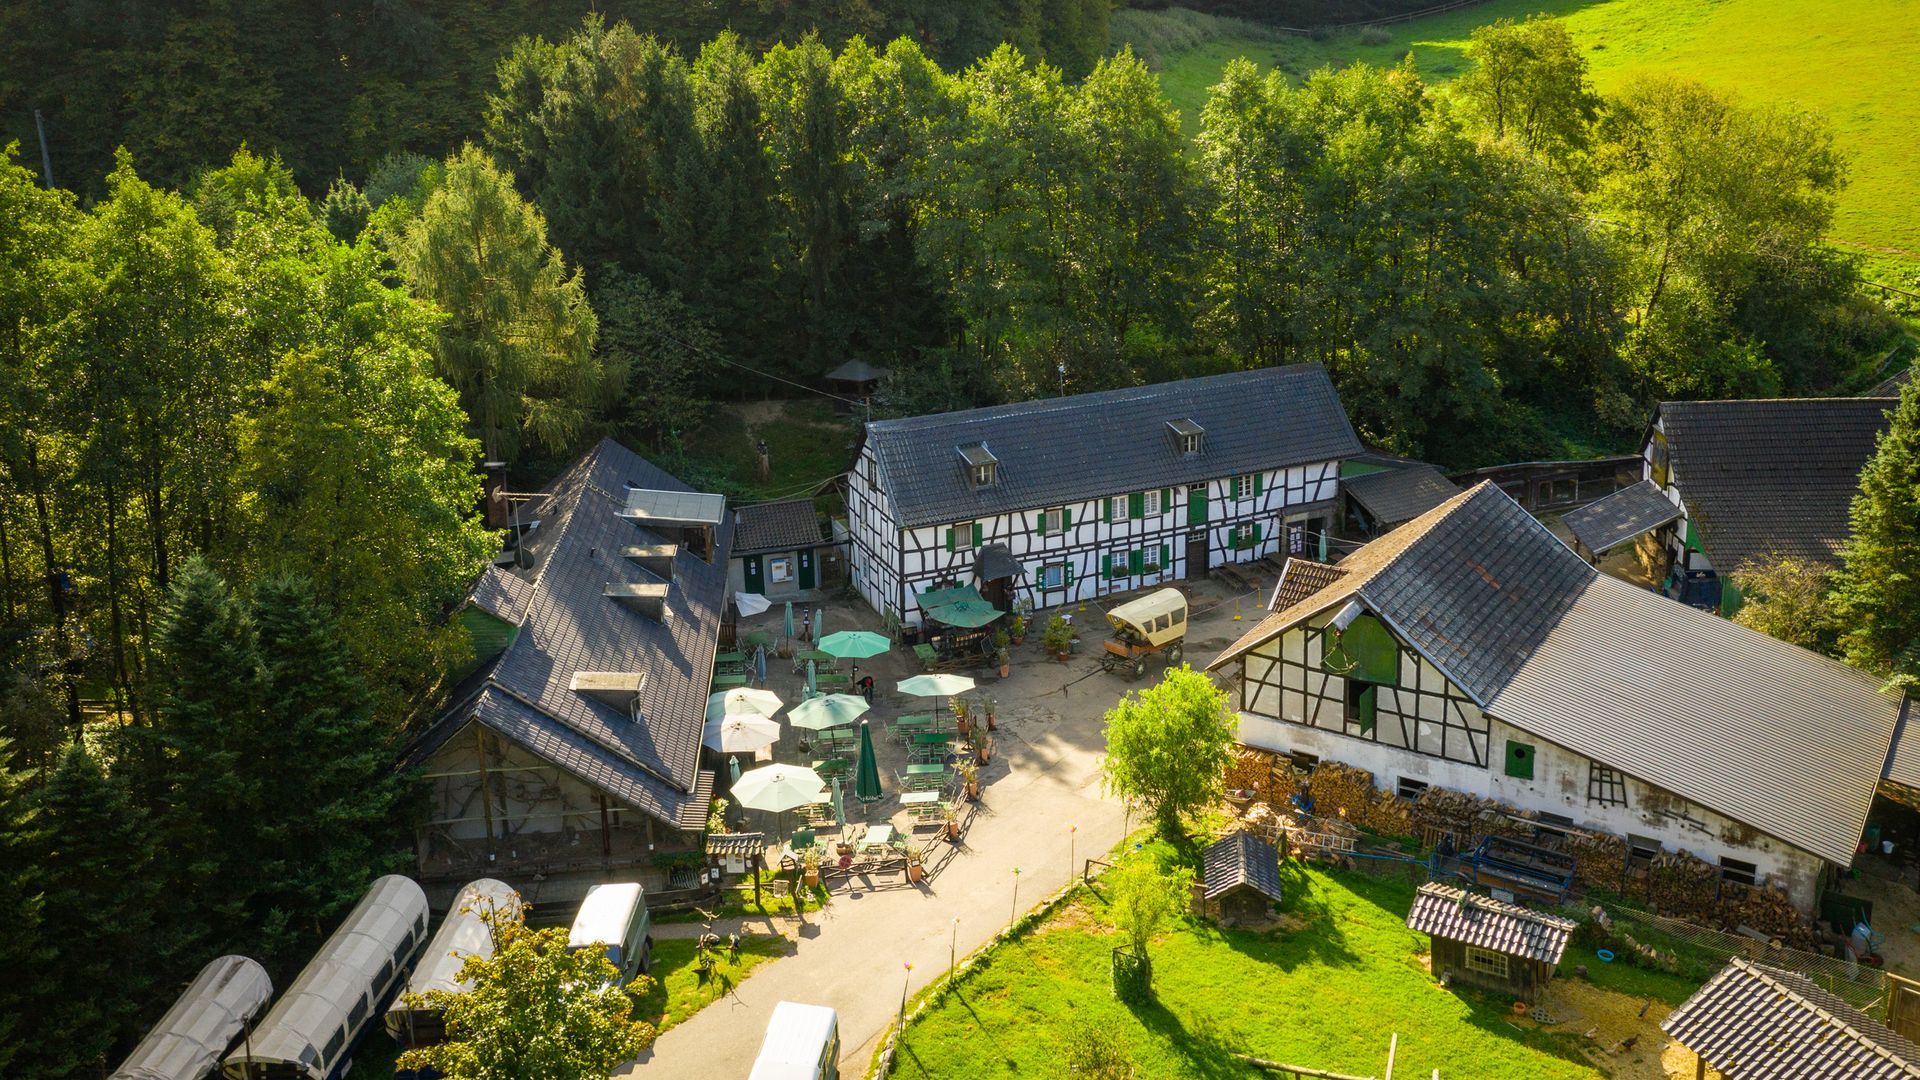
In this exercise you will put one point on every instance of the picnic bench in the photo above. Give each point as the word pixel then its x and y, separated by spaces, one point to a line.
pixel 730 662
pixel 729 680
pixel 924 807
pixel 833 768
pixel 820 660
pixel 904 727
pixel 929 746
pixel 926 776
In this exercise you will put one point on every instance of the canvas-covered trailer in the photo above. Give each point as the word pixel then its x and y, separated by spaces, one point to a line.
pixel 614 916
pixel 313 1029
pixel 1154 623
pixel 208 1018
pixel 802 1043
pixel 464 933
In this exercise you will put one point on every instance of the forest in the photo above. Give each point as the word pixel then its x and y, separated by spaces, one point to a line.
pixel 252 358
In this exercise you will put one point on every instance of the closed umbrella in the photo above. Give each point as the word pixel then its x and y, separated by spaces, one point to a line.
pixel 866 772
pixel 812 678
pixel 733 770
pixel 740 733
pixel 854 644
pixel 839 801
pixel 819 622
pixel 742 701
pixel 787 625
pixel 935 686
pixel 760 664
pixel 827 711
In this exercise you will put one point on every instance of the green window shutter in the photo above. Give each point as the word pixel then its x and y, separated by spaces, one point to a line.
pixel 1136 561
pixel 1256 528
pixel 1256 483
pixel 1368 709
pixel 949 539
pixel 1106 508
pixel 1166 556
pixel 1066 520
pixel 1137 505
pixel 1519 760
pixel 1106 565
pixel 1040 523
pixel 979 530
pixel 1166 500
pixel 1066 574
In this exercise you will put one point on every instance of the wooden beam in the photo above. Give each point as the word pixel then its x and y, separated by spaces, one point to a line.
pixel 1298 1070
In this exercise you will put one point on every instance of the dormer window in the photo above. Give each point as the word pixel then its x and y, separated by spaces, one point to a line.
pixel 982 467
pixel 1187 435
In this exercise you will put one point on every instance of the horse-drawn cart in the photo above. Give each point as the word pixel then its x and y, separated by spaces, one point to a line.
pixel 1155 623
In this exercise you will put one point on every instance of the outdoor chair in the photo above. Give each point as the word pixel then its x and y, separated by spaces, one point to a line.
pixel 929 658
pixel 803 839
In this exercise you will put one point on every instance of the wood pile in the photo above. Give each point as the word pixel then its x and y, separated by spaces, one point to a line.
pixel 1269 776
pixel 1681 885
pixel 1342 791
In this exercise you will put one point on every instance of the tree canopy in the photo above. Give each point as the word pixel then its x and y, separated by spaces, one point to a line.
pixel 1168 746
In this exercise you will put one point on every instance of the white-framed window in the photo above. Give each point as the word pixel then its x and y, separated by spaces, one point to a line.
pixel 1246 487
pixel 1150 504
pixel 780 568
pixel 1054 576
pixel 983 474
pixel 1150 559
pixel 963 536
pixel 1410 788
pixel 1486 961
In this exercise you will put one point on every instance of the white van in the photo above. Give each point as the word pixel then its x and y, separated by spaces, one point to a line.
pixel 802 1043
pixel 615 917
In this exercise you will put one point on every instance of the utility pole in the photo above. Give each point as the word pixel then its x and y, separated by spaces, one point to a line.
pixel 46 159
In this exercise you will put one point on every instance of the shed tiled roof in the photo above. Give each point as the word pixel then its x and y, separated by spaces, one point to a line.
pixel 1771 477
pixel 647 757
pixel 1299 579
pixel 1891 387
pixel 1752 1022
pixel 1695 704
pixel 1632 511
pixel 1241 859
pixel 1060 450
pixel 501 594
pixel 1458 915
pixel 1400 494
pixel 776 526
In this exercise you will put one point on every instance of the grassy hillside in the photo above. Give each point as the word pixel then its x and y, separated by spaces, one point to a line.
pixel 1858 64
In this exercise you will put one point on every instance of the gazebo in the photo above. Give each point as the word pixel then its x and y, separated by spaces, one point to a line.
pixel 857 378
pixel 1241 877
pixel 1494 945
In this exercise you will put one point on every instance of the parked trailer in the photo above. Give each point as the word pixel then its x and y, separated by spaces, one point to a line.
pixel 802 1043
pixel 464 933
pixel 614 917
pixel 315 1026
pixel 205 1022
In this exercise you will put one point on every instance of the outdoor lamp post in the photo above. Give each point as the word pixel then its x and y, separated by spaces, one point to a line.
pixel 1016 897
pixel 903 998
pixel 953 949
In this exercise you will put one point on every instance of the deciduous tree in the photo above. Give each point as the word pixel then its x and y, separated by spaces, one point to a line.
pixel 1168 747
pixel 1785 597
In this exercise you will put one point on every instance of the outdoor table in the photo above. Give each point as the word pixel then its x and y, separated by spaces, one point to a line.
pixel 724 681
pixel 832 768
pixel 927 776
pixel 922 805
pixel 877 836
pixel 833 678
pixel 930 746
pixel 730 660
pixel 819 658
pixel 912 724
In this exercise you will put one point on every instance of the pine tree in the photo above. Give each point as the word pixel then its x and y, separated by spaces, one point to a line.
pixel 24 955
pixel 1877 592
pixel 103 890
pixel 332 821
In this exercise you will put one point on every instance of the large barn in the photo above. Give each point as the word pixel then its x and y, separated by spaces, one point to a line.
pixel 1064 499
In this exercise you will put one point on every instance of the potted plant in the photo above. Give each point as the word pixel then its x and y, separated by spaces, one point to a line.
pixel 916 866
pixel 970 778
pixel 992 709
pixel 950 815
pixel 717 817
pixel 1058 637
pixel 1017 629
pixel 962 715
pixel 810 866
pixel 982 750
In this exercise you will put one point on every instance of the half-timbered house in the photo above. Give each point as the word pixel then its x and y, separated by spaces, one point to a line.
pixel 1077 497
pixel 1749 479
pixel 575 742
pixel 1471 650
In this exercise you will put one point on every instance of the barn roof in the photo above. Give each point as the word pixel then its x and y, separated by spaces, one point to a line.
pixel 776 526
pixel 1771 477
pixel 571 604
pixel 1066 449
pixel 1400 494
pixel 1753 1022
pixel 1631 512
pixel 1458 915
pixel 1299 579
pixel 1692 703
pixel 1241 859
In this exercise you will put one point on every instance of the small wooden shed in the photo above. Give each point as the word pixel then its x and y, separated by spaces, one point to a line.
pixel 1493 945
pixel 1754 1022
pixel 1241 877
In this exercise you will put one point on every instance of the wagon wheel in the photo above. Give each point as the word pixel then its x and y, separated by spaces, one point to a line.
pixel 1138 667
pixel 1174 652
pixel 1106 662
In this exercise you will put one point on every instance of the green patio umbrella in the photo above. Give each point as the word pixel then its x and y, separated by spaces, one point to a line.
pixel 812 678
pixel 854 644
pixel 787 624
pixel 935 686
pixel 866 773
pixel 828 711
pixel 966 614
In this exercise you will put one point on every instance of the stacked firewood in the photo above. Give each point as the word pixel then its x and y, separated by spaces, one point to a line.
pixel 1682 886
pixel 1342 791
pixel 1269 776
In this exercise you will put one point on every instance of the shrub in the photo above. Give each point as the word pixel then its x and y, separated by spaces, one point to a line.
pixel 1375 35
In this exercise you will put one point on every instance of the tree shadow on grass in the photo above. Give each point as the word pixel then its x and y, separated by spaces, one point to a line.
pixel 1206 1053
pixel 1493 1013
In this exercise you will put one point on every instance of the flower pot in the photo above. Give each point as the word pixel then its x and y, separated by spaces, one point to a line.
pixel 993 722
pixel 973 790
pixel 812 876
pixel 1006 671
pixel 962 725
pixel 916 873
pixel 981 755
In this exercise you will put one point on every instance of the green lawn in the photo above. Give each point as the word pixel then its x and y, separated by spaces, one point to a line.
pixel 807 442
pixel 1856 63
pixel 1325 993
pixel 678 991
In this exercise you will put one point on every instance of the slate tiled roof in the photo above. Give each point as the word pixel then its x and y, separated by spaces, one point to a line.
pixel 1458 915
pixel 1773 476
pixel 1241 859
pixel 776 526
pixel 858 371
pixel 1299 579
pixel 1060 450
pixel 1632 511
pixel 1892 387
pixel 502 594
pixel 568 625
pixel 1687 701
pixel 1400 494
pixel 1753 1022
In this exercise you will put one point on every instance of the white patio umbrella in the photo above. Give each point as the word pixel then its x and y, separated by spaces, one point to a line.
pixel 779 788
pixel 827 711
pixel 742 701
pixel 936 686
pixel 741 733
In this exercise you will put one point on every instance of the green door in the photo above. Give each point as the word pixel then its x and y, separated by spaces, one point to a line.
pixel 1197 504
pixel 806 568
pixel 756 576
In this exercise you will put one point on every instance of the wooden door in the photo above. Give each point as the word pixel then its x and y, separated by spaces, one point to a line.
pixel 806 567
pixel 1197 504
pixel 755 573
pixel 1197 554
